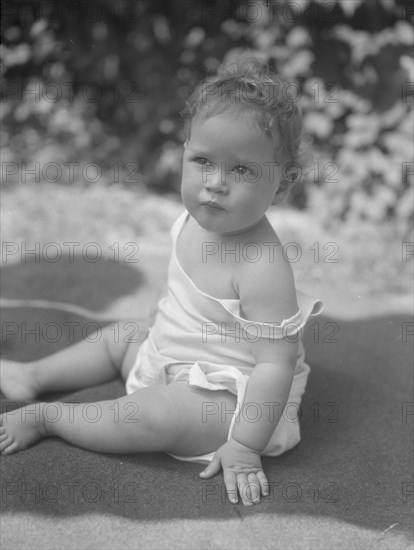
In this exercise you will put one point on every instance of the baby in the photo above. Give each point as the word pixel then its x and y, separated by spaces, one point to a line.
pixel 219 376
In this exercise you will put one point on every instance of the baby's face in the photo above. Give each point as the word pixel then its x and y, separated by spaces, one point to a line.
pixel 228 161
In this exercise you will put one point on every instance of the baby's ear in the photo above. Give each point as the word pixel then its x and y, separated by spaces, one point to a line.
pixel 286 184
pixel 283 191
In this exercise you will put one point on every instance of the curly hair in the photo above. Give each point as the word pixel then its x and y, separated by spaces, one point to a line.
pixel 249 86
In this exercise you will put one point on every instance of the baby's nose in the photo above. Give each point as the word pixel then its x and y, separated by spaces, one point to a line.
pixel 215 186
pixel 215 179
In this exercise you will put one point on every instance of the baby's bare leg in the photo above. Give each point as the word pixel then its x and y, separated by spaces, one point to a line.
pixel 174 418
pixel 84 364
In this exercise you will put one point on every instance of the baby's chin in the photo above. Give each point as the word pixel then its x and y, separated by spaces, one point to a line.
pixel 219 225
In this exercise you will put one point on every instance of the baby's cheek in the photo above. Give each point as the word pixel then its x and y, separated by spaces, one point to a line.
pixel 189 175
pixel 188 194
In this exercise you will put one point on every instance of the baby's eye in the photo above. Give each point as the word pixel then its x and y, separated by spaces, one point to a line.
pixel 200 160
pixel 240 169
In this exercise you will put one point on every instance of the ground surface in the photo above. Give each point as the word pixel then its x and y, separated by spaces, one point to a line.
pixel 348 484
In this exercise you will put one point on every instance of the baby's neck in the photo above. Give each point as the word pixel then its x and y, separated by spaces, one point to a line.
pixel 234 235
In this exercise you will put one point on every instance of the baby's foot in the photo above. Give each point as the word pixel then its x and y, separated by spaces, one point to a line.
pixel 20 429
pixel 18 380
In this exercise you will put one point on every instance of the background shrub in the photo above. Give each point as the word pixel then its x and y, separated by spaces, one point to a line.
pixel 101 84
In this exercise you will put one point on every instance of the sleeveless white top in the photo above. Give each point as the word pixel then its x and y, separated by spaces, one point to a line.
pixel 205 342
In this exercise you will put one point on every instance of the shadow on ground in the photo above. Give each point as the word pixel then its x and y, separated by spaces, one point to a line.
pixel 354 462
pixel 73 279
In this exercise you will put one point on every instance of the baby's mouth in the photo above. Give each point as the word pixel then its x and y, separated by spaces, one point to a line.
pixel 213 204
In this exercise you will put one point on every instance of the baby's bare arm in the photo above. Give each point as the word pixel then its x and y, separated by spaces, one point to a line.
pixel 266 395
pixel 267 295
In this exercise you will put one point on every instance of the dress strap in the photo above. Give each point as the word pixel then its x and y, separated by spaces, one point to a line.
pixel 178 224
pixel 309 306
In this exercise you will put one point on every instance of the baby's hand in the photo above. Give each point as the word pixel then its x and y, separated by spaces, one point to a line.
pixel 242 471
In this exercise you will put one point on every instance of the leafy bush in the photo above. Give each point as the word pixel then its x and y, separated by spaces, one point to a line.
pixel 93 90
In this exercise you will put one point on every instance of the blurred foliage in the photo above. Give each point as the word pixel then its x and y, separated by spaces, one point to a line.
pixel 104 82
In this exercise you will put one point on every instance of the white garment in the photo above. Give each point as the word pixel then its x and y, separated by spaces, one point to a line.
pixel 204 341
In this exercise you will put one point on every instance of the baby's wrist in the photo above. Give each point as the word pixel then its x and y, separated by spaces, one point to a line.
pixel 248 447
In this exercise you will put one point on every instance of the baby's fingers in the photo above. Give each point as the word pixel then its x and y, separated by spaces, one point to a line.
pixel 230 481
pixel 249 486
pixel 264 484
pixel 254 487
pixel 244 489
